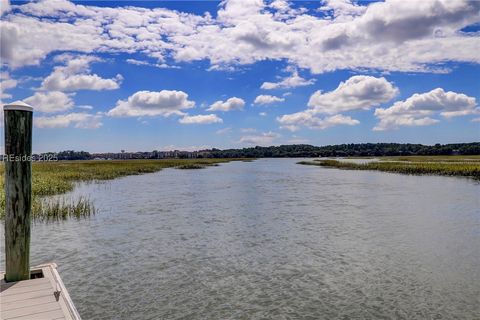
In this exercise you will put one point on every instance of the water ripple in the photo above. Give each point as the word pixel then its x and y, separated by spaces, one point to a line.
pixel 271 240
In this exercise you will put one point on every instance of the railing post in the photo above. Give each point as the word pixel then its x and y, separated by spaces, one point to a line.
pixel 18 189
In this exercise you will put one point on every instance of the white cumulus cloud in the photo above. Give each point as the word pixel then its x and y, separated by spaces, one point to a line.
pixel 6 83
pixel 391 35
pixel 74 75
pixel 294 121
pixel 77 120
pixel 263 139
pixel 51 101
pixel 343 9
pixel 358 92
pixel 201 119
pixel 267 99
pixel 153 103
pixel 230 104
pixel 419 109
pixel 146 63
pixel 291 81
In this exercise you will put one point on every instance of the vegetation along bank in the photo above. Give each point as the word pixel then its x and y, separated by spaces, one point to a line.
pixel 466 166
pixel 55 178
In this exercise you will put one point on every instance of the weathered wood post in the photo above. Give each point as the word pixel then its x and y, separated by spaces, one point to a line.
pixel 18 189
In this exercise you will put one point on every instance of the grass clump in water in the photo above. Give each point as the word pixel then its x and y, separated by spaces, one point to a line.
pixel 192 166
pixel 446 168
pixel 61 209
pixel 309 163
pixel 456 158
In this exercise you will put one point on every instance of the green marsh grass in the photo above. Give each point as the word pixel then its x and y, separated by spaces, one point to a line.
pixel 61 209
pixel 191 166
pixel 55 178
pixel 431 165
pixel 458 158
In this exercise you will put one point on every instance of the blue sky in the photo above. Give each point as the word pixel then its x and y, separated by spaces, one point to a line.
pixel 145 75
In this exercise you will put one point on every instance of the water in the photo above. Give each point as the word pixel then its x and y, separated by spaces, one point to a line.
pixel 271 240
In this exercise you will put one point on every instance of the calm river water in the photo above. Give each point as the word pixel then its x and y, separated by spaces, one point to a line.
pixel 271 239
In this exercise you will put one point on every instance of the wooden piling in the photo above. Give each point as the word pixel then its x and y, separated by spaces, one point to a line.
pixel 18 189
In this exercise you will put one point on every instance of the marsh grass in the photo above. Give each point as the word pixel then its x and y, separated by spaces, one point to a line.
pixel 419 166
pixel 310 163
pixel 457 158
pixel 61 209
pixel 55 178
pixel 199 164
pixel 191 166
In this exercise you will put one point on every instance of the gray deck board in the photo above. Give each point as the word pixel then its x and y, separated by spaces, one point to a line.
pixel 31 310
pixel 29 295
pixel 48 315
pixel 21 284
pixel 28 302
pixel 35 299
pixel 30 299
pixel 14 290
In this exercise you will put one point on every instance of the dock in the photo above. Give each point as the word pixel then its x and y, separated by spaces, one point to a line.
pixel 26 293
pixel 42 297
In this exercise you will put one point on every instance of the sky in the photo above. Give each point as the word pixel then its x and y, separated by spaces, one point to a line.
pixel 105 76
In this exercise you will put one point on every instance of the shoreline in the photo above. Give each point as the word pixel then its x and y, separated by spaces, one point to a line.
pixel 57 178
pixel 414 166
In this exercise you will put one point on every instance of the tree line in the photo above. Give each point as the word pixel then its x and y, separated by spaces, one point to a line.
pixel 350 150
pixel 305 150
